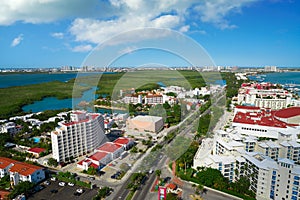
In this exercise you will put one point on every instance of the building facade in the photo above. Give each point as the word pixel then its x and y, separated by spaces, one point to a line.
pixel 83 134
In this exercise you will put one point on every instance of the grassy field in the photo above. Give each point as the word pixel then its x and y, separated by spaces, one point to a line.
pixel 13 98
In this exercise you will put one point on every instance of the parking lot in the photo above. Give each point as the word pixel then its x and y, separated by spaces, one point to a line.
pixel 54 191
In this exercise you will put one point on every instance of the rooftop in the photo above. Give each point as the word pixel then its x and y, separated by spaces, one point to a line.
pixel 288 112
pixel 24 169
pixel 4 162
pixel 262 118
pixel 109 147
pixel 36 150
pixel 82 121
pixel 122 140
pixel 98 156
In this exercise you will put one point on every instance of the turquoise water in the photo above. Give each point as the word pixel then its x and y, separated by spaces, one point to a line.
pixel 36 139
pixel 52 103
pixel 281 78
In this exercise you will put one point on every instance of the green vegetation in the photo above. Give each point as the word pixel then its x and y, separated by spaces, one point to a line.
pixel 13 98
pixel 4 182
pixel 102 193
pixel 135 181
pixel 210 177
pixel 68 177
pixel 148 87
pixel 45 115
pixel 21 188
pixel 52 162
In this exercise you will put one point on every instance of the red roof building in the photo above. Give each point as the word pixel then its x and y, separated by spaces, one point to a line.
pixel 36 150
pixel 109 147
pixel 288 112
pixel 24 169
pixel 98 156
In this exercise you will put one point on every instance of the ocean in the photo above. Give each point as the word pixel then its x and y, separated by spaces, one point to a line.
pixel 284 78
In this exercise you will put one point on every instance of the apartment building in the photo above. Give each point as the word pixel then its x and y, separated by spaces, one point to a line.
pixel 154 99
pixel 133 99
pixel 20 171
pixel 264 95
pixel 81 135
pixel 272 180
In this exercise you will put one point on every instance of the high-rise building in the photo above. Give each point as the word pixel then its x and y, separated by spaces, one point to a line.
pixel 81 135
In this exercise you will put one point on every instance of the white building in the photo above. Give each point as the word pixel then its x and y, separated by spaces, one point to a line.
pixel 270 179
pixel 83 134
pixel 154 99
pixel 19 171
pixel 133 99
pixel 11 128
pixel 264 95
pixel 265 122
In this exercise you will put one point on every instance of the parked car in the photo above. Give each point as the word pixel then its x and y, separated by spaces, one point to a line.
pixel 79 190
pixel 71 184
pixel 62 184
pixel 53 179
pixel 47 183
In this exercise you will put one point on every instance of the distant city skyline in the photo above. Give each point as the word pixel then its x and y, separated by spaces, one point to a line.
pixel 244 33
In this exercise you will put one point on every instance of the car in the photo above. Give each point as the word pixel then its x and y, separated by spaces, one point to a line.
pixel 150 171
pixel 92 178
pixel 47 183
pixel 53 191
pixel 53 179
pixel 71 184
pixel 79 190
pixel 62 184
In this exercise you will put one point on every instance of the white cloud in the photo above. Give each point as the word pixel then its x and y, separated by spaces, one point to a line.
pixel 82 48
pixel 216 11
pixel 184 29
pixel 95 21
pixel 44 11
pixel 58 35
pixel 16 41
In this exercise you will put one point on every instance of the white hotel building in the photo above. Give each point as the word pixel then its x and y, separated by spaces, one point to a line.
pixel 272 166
pixel 81 135
pixel 264 95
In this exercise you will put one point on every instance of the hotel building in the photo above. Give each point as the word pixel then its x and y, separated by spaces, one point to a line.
pixel 81 135
pixel 264 95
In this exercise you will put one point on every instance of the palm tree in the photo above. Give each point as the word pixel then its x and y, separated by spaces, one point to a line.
pixel 158 173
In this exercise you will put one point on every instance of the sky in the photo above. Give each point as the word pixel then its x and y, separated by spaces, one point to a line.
pixel 55 33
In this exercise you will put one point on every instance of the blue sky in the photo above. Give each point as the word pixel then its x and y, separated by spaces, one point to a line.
pixel 54 33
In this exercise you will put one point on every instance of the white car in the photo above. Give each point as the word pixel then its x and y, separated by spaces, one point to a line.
pixel 53 179
pixel 79 190
pixel 70 184
pixel 62 184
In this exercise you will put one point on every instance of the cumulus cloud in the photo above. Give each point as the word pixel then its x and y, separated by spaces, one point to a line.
pixel 216 11
pixel 58 35
pixel 44 11
pixel 94 21
pixel 82 48
pixel 16 41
